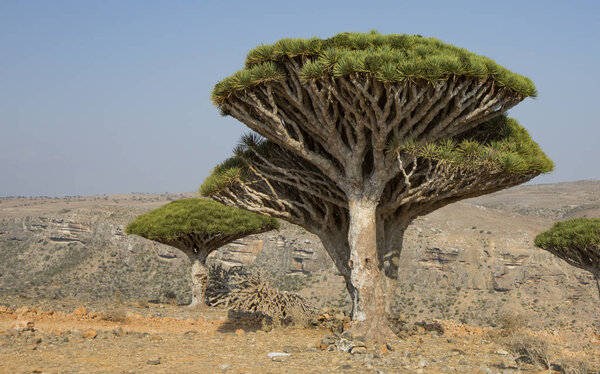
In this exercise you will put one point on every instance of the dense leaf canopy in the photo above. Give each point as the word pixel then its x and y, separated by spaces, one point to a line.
pixel 200 217
pixel 500 145
pixel 571 234
pixel 390 58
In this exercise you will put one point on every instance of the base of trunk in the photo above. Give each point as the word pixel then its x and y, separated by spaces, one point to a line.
pixel 375 331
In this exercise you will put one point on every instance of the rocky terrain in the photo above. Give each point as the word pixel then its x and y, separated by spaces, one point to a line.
pixel 469 262
pixel 105 337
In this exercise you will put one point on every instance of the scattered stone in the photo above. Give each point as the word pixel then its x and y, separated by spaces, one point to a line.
pixel 389 347
pixel 118 332
pixel 90 334
pixel 37 370
pixel 344 345
pixel 225 367
pixel 65 339
pixel 153 362
pixel 291 349
pixel 423 326
pixel 501 352
pixel 358 350
pixel 239 332
pixel 345 367
pixel 191 332
pixel 457 351
pixel 37 339
pixel 24 326
pixel 80 311
pixel 278 354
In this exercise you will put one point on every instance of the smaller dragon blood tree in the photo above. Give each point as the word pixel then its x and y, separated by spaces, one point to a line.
pixel 198 227
pixel 576 241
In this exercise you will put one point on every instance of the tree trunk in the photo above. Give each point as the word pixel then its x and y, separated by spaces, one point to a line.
pixel 369 298
pixel 391 249
pixel 199 278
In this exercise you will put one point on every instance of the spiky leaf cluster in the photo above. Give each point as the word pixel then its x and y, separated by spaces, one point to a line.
pixel 198 216
pixel 499 145
pixel 578 233
pixel 390 58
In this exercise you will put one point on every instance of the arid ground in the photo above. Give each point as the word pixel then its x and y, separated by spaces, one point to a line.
pixel 62 337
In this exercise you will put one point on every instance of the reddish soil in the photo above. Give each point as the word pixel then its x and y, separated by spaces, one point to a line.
pixel 172 339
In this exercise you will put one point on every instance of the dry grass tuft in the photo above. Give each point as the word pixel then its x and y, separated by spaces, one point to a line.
pixel 511 323
pixel 529 349
pixel 572 366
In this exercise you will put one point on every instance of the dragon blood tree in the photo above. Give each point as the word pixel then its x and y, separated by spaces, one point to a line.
pixel 198 227
pixel 576 241
pixel 360 134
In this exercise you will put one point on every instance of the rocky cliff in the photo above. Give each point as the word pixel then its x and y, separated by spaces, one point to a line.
pixel 471 261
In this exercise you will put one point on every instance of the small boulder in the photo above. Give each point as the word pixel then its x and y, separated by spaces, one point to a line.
pixel 90 334
pixel 291 349
pixel 153 362
pixel 344 345
pixel 358 350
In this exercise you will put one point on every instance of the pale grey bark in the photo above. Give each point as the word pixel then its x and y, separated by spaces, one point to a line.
pixel 199 277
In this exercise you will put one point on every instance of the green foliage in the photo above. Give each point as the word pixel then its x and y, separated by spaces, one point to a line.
pixel 222 176
pixel 571 234
pixel 198 216
pixel 390 58
pixel 507 147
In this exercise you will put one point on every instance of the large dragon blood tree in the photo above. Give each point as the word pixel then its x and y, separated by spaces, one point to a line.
pixel 361 133
pixel 198 227
pixel 576 241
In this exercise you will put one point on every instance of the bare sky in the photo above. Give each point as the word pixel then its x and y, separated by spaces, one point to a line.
pixel 114 96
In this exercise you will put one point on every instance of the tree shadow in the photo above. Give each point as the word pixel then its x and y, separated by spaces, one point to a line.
pixel 244 320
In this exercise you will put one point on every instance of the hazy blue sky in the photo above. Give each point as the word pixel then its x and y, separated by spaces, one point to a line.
pixel 114 96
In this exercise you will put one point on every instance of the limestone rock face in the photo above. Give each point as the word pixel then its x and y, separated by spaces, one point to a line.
pixel 478 253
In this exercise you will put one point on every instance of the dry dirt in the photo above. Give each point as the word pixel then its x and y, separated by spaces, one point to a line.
pixel 50 336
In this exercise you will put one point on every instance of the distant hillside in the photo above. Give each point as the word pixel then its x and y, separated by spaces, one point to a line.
pixel 470 261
